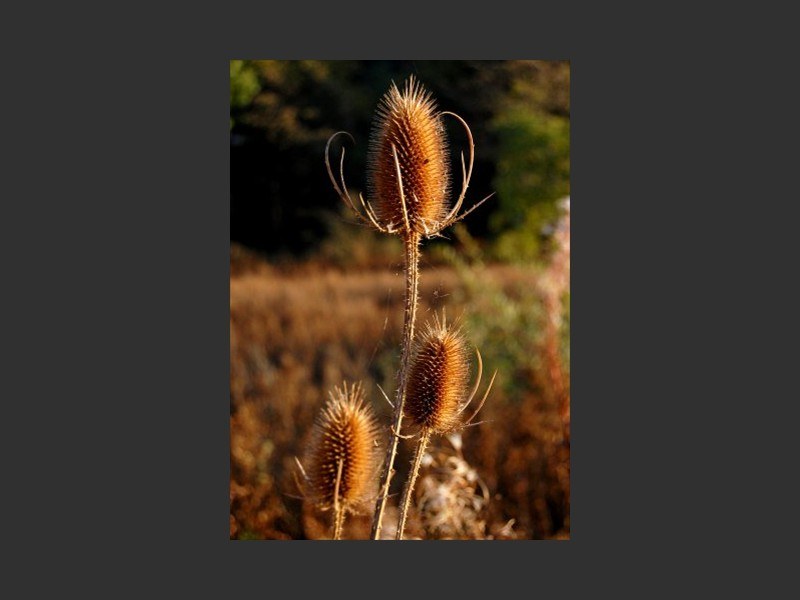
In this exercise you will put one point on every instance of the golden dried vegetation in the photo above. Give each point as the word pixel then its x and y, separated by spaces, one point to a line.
pixel 297 332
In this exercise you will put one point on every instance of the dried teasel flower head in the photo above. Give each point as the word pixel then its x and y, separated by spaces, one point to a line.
pixel 437 391
pixel 344 452
pixel 408 145
pixel 408 174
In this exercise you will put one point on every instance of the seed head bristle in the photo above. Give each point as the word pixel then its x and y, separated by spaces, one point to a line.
pixel 345 431
pixel 438 378
pixel 408 123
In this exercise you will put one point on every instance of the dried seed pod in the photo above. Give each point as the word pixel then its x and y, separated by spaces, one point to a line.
pixel 436 394
pixel 408 168
pixel 344 453
pixel 438 378
pixel 408 136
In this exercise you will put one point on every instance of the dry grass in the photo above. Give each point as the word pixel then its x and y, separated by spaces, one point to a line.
pixel 296 332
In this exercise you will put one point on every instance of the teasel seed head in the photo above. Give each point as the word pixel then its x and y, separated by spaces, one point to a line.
pixel 438 378
pixel 408 168
pixel 345 432
pixel 408 126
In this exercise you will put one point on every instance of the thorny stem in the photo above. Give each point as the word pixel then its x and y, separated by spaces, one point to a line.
pixel 424 437
pixel 412 292
pixel 338 512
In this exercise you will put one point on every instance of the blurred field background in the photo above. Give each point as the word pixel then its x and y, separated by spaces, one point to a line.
pixel 316 298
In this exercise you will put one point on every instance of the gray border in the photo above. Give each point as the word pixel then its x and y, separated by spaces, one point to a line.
pixel 149 482
pixel 363 552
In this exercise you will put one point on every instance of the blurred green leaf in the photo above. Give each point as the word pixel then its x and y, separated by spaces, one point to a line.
pixel 244 85
pixel 533 166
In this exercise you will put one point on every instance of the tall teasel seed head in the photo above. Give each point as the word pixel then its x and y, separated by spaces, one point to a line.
pixel 408 167
pixel 346 432
pixel 438 378
pixel 408 136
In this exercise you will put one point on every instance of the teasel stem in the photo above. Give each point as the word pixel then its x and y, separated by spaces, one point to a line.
pixel 338 511
pixel 424 438
pixel 412 241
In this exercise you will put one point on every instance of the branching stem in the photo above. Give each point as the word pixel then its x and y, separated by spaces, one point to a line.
pixel 412 241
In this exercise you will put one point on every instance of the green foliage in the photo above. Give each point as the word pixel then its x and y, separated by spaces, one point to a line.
pixel 504 321
pixel 244 85
pixel 532 175
pixel 506 326
pixel 508 316
pixel 540 85
pixel 299 102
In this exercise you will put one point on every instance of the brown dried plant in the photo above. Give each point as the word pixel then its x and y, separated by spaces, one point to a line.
pixel 298 331
pixel 343 456
pixel 437 393
pixel 451 496
pixel 408 180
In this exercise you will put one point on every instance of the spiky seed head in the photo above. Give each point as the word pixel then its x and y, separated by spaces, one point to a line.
pixel 345 430
pixel 409 122
pixel 438 378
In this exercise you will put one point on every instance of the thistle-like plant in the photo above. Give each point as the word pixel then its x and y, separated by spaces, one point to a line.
pixel 437 393
pixel 343 456
pixel 408 185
